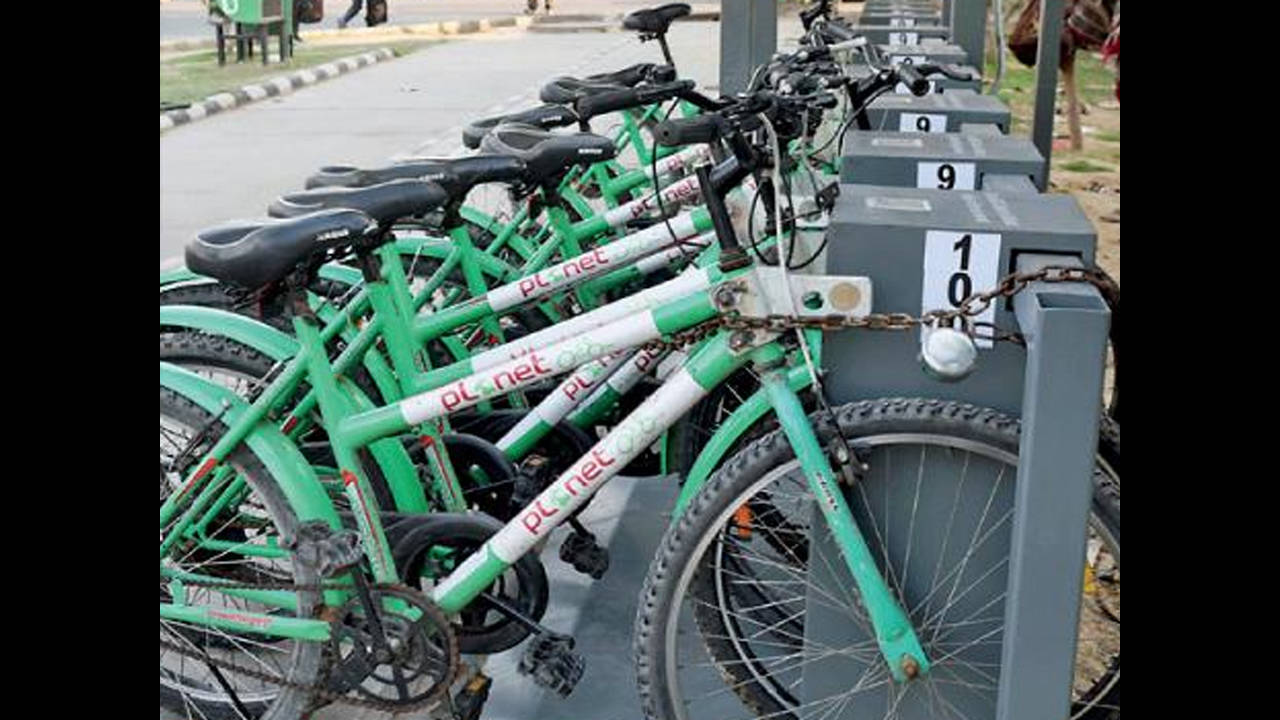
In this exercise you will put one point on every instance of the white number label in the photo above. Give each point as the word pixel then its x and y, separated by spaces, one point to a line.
pixel 946 175
pixel 956 265
pixel 902 89
pixel 904 38
pixel 922 122
pixel 902 22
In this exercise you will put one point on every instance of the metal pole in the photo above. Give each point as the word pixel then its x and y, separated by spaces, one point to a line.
pixel 1066 330
pixel 1046 81
pixel 968 21
pixel 748 38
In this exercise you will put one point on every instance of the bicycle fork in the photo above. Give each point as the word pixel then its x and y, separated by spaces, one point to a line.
pixel 896 638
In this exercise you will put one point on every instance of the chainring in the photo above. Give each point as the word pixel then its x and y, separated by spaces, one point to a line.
pixel 414 667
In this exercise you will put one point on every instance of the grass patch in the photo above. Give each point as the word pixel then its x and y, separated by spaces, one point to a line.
pixel 1107 136
pixel 1094 83
pixel 1082 166
pixel 193 77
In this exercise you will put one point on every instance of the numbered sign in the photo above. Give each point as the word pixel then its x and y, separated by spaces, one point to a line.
pixel 922 122
pixel 902 88
pixel 956 265
pixel 904 38
pixel 947 175
pixel 902 22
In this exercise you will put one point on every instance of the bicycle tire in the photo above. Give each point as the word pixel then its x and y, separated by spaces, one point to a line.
pixel 305 659
pixel 674 570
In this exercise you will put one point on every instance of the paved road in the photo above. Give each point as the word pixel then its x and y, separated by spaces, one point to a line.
pixel 231 165
pixel 186 18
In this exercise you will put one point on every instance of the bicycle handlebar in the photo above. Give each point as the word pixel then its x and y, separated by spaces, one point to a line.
pixel 913 79
pixel 605 102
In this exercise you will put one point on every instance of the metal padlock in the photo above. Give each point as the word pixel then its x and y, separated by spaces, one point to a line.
pixel 947 354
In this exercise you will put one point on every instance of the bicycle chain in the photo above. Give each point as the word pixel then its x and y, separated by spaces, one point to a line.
pixel 972 306
pixel 316 691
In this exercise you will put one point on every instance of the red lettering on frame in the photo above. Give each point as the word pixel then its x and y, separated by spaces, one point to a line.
pixel 531 521
pixel 538 365
pixel 602 458
pixel 453 398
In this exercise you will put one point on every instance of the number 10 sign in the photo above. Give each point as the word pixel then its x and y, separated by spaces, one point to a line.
pixel 956 265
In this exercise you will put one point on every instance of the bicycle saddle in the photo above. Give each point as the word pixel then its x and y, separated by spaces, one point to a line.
pixel 254 253
pixel 655 20
pixel 543 116
pixel 546 154
pixel 385 203
pixel 566 89
pixel 456 176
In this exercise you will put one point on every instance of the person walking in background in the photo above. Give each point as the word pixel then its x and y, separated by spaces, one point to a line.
pixel 351 12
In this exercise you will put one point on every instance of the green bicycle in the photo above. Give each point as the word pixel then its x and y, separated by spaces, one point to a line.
pixel 744 291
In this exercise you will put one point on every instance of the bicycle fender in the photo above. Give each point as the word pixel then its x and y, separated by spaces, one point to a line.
pixel 169 276
pixel 329 271
pixel 738 423
pixel 257 335
pixel 282 458
pixel 338 272
pixel 425 246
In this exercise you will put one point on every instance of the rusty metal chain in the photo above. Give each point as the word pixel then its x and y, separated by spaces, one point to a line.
pixel 969 308
pixel 318 691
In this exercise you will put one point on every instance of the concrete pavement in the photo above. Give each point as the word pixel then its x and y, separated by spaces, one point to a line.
pixel 232 165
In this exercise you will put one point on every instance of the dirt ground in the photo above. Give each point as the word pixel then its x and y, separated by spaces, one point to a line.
pixel 1092 176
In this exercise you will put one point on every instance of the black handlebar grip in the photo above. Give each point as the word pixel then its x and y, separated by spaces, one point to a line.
pixel 824 100
pixel 800 82
pixel 656 93
pixel 908 76
pixel 609 101
pixel 838 32
pixel 662 74
pixel 687 131
pixel 604 102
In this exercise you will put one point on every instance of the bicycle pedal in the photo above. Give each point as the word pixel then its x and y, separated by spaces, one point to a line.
pixel 585 555
pixel 549 661
pixel 328 551
pixel 469 701
pixel 530 479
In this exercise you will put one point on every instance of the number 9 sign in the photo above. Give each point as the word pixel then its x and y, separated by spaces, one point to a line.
pixel 922 122
pixel 947 175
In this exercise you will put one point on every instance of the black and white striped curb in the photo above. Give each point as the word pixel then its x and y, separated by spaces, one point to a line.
pixel 282 85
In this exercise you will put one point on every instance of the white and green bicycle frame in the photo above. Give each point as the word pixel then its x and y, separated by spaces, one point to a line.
pixel 747 293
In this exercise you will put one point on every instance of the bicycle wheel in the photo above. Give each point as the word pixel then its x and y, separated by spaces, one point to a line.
pixel 744 574
pixel 254 520
pixel 241 369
